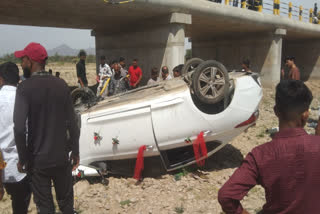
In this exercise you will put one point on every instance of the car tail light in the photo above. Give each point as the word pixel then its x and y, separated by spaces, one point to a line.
pixel 252 119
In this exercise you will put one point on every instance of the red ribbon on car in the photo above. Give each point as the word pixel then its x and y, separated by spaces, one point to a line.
pixel 200 149
pixel 139 163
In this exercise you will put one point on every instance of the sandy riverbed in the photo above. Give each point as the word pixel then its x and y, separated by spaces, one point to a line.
pixel 187 191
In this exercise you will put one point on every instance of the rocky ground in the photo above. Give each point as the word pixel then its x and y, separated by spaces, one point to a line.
pixel 191 190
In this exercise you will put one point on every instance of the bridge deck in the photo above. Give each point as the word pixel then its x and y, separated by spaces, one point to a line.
pixel 208 19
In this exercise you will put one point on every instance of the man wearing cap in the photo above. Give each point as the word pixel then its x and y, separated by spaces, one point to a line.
pixel 81 70
pixel 49 148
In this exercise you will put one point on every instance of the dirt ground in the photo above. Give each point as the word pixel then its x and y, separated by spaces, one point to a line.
pixel 191 190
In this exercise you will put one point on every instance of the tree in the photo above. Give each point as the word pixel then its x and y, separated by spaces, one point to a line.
pixel 188 54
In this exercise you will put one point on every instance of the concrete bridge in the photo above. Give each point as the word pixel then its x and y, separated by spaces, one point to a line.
pixel 154 31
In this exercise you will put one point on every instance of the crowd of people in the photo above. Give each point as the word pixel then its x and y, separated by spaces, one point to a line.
pixel 254 5
pixel 115 78
pixel 251 4
pixel 39 138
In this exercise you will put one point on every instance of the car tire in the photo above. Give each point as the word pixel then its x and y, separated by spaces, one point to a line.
pixel 190 65
pixel 210 82
pixel 81 96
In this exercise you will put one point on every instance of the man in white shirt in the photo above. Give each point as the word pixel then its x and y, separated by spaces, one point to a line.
pixel 165 73
pixel 154 76
pixel 17 184
pixel 104 73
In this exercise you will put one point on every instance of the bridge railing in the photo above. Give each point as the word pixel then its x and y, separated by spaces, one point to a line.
pixel 276 7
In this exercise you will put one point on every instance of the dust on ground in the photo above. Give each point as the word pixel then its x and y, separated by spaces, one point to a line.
pixel 191 190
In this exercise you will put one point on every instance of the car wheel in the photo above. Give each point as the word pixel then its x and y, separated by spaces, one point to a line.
pixel 190 66
pixel 81 96
pixel 210 82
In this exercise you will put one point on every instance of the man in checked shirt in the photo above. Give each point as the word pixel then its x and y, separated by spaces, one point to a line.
pixel 287 167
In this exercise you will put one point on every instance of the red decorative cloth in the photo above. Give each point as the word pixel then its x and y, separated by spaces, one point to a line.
pixel 139 163
pixel 200 149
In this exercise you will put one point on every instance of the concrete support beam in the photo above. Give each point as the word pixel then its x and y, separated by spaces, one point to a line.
pixel 181 18
pixel 264 51
pixel 271 69
pixel 154 47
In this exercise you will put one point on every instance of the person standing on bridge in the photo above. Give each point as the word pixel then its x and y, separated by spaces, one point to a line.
pixel 287 167
pixel 235 3
pixel 253 5
pixel 315 14
pixel 217 1
pixel 48 147
pixel 81 70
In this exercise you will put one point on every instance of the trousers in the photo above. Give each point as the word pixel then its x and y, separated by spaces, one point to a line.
pixel 20 193
pixel 41 182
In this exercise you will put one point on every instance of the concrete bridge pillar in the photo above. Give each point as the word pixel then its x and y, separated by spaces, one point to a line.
pixel 154 43
pixel 271 69
pixel 263 50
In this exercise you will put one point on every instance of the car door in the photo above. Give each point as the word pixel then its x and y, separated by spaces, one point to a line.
pixel 120 134
pixel 174 121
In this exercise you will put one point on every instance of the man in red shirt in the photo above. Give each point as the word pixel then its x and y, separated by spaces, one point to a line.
pixel 287 167
pixel 135 73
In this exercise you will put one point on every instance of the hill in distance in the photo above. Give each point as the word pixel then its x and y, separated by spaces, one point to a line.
pixel 65 50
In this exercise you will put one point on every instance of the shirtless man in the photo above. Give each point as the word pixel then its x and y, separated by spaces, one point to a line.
pixel 294 72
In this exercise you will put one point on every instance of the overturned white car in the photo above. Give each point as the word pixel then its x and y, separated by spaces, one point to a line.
pixel 169 116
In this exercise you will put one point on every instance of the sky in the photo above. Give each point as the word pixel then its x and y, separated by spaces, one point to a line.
pixel 17 37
